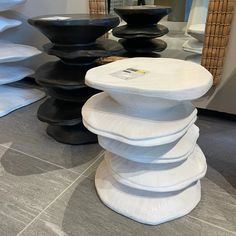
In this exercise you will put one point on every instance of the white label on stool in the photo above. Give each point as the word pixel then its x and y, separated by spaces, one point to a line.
pixel 129 73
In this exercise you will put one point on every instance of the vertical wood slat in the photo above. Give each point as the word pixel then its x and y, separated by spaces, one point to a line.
pixel 98 7
pixel 218 25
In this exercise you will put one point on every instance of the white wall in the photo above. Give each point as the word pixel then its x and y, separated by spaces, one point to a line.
pixel 78 6
pixel 42 7
pixel 26 34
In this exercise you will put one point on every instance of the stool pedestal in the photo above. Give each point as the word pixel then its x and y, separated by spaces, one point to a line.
pixel 74 39
pixel 139 35
pixel 152 167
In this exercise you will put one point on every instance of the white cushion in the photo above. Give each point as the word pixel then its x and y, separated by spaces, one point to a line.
pixel 6 23
pixel 10 74
pixel 10 52
pixel 13 98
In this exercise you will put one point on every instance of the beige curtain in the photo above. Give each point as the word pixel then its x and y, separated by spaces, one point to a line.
pixel 98 6
pixel 218 25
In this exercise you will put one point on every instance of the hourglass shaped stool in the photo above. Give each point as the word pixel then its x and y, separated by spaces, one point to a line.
pixel 145 121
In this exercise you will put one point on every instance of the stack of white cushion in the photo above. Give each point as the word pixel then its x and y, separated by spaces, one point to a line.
pixel 13 97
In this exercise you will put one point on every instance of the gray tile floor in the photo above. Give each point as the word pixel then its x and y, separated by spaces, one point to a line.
pixel 47 188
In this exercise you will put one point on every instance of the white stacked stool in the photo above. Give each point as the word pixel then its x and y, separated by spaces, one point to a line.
pixel 14 96
pixel 145 121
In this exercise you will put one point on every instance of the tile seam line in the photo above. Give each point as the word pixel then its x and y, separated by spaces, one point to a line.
pixel 214 225
pixel 37 158
pixel 55 199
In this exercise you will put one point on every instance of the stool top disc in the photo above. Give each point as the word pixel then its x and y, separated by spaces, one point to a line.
pixel 74 29
pixel 152 77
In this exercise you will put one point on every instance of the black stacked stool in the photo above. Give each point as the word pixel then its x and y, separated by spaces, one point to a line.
pixel 139 35
pixel 75 39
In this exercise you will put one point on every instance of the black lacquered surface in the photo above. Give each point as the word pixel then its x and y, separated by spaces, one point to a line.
pixel 84 54
pixel 138 36
pixel 74 39
pixel 57 112
pixel 142 15
pixel 59 75
pixel 74 135
pixel 131 32
pixel 76 29
pixel 72 95
pixel 144 46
